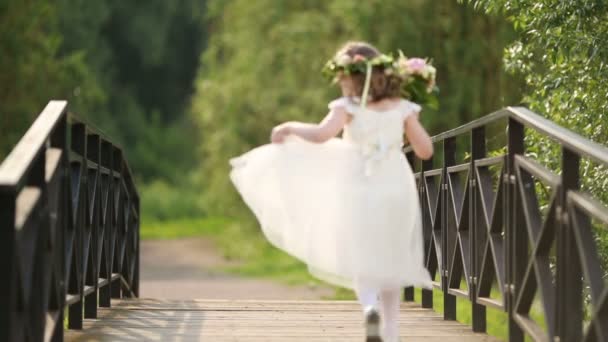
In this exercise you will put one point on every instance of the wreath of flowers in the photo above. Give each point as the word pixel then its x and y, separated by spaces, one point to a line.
pixel 417 74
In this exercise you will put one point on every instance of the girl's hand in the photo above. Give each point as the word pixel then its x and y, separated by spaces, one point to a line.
pixel 279 133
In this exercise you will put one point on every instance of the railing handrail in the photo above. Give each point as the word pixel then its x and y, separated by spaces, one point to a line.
pixel 16 165
pixel 572 140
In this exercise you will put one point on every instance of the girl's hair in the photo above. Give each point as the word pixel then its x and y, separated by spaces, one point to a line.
pixel 382 85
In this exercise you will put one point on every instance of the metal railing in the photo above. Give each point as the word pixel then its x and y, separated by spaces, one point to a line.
pixel 483 226
pixel 69 228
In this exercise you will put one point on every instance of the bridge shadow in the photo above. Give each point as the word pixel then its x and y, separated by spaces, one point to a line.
pixel 149 321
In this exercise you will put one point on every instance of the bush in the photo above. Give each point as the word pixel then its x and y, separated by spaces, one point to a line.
pixel 161 201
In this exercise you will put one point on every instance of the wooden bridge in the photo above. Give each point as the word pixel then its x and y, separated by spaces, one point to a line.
pixel 69 245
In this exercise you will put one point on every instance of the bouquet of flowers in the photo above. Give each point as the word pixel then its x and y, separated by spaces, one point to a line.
pixel 418 81
pixel 417 74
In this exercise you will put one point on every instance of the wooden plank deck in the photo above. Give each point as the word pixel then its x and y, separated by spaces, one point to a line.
pixel 257 321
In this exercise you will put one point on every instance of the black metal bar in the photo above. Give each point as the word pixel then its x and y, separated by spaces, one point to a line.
pixel 515 234
pixel 59 330
pixel 447 240
pixel 116 289
pixel 7 263
pixel 90 305
pixel 569 285
pixel 77 203
pixel 408 292
pixel 105 296
pixel 75 312
pixel 135 280
pixel 478 151
pixel 427 295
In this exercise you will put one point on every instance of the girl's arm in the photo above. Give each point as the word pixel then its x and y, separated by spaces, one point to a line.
pixel 331 125
pixel 418 137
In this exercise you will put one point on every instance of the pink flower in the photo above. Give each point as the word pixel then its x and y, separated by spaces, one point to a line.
pixel 416 65
pixel 358 58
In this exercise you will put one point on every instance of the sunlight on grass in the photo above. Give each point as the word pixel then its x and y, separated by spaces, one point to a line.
pixel 496 320
pixel 182 228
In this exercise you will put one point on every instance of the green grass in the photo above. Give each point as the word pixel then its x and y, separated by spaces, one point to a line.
pixel 497 321
pixel 182 228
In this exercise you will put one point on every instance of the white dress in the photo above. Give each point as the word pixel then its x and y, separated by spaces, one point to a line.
pixel 349 207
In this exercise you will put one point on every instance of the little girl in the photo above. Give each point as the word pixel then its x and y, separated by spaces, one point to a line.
pixel 347 207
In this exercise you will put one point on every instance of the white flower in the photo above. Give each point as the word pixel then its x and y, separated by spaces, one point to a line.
pixel 343 60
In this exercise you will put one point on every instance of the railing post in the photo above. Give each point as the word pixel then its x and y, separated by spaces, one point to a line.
pixel 135 285
pixel 59 139
pixel 76 282
pixel 7 245
pixel 118 223
pixel 427 295
pixel 105 271
pixel 408 292
pixel 92 222
pixel 517 248
pixel 568 274
pixel 478 151
pixel 447 240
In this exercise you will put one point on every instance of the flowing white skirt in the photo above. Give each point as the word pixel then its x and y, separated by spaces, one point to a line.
pixel 315 202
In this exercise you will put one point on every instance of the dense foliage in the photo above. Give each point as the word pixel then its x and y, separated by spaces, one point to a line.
pixel 562 53
pixel 126 66
pixel 265 67
pixel 31 68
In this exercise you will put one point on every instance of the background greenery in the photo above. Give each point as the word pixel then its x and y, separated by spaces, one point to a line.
pixel 125 66
pixel 184 85
pixel 262 68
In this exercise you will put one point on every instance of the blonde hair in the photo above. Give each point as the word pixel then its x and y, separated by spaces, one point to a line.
pixel 382 85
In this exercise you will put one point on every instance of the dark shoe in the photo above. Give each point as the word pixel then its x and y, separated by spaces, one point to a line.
pixel 372 325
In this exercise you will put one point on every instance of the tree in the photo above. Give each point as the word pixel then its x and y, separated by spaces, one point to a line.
pixel 126 67
pixel 32 70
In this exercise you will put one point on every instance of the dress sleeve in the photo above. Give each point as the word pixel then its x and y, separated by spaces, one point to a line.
pixel 410 108
pixel 345 103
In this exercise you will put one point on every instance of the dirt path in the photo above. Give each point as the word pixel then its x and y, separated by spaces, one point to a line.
pixel 187 269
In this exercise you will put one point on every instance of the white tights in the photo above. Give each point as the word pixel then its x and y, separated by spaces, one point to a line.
pixel 389 307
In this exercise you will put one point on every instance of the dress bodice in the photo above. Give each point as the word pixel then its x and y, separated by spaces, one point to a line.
pixel 378 133
pixel 368 126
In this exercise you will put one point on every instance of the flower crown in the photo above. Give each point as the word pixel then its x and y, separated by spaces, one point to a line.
pixel 417 74
pixel 347 65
